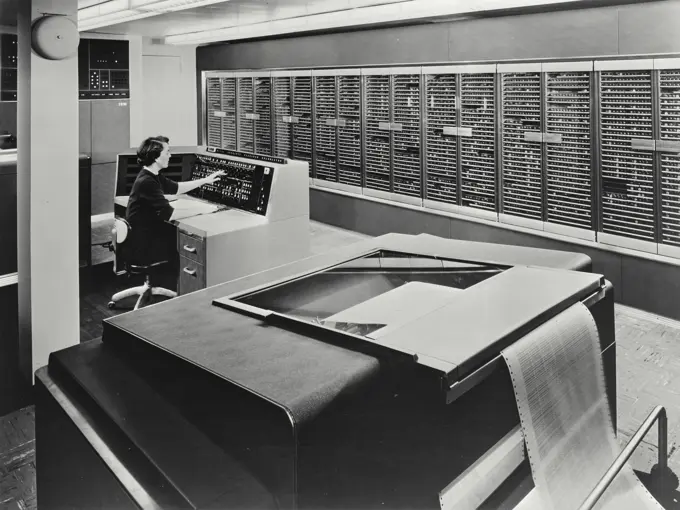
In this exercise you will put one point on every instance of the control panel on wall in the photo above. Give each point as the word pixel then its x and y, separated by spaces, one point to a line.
pixel 243 186
pixel 8 67
pixel 103 69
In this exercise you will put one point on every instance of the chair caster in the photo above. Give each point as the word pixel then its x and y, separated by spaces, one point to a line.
pixel 112 304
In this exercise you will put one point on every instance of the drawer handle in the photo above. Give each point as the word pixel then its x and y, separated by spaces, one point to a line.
pixel 190 272
pixel 190 249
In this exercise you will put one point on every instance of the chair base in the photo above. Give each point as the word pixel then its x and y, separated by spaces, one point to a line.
pixel 143 291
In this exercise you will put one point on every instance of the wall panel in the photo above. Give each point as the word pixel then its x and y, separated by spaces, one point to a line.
pixel 545 35
pixel 8 117
pixel 649 28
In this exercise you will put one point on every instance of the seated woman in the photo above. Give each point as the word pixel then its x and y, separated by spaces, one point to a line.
pixel 152 238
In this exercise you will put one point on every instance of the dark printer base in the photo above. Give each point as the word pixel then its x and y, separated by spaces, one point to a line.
pixel 385 447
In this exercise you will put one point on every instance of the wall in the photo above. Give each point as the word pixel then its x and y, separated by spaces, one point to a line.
pixel 641 28
pixel 176 88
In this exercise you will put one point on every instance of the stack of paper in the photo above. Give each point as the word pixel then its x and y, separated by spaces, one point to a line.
pixel 559 386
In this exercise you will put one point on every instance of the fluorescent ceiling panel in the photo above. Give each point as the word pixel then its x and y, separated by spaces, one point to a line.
pixel 120 11
pixel 401 11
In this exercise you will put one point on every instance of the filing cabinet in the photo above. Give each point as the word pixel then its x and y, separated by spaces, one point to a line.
pixel 192 260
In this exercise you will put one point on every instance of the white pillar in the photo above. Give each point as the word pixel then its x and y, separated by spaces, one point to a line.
pixel 47 168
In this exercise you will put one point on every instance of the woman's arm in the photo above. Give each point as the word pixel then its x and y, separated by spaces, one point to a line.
pixel 186 186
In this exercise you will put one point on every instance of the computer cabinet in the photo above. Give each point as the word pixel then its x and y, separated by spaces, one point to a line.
pixel 392 134
pixel 220 108
pixel 547 167
pixel 640 139
pixel 238 110
pixel 254 128
pixel 583 149
pixel 460 139
pixel 337 129
pixel 668 155
pixel 293 115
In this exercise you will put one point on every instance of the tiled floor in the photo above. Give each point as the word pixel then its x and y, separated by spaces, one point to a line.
pixel 17 460
pixel 648 365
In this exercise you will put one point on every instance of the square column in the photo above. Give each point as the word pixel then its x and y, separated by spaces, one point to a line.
pixel 47 194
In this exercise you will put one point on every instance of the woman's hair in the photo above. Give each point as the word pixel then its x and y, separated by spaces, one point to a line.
pixel 150 149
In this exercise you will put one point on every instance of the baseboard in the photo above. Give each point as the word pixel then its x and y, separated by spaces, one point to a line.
pixel 101 217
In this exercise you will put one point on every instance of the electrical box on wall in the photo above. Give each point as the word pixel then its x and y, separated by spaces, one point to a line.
pixel 8 67
pixel 103 69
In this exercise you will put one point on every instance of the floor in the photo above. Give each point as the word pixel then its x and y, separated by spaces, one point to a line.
pixel 648 364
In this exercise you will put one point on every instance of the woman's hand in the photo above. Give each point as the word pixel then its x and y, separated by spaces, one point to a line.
pixel 214 177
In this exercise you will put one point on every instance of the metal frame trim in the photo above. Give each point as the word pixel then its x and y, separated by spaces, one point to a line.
pixel 569 231
pixel 627 242
pixel 520 221
pixel 624 65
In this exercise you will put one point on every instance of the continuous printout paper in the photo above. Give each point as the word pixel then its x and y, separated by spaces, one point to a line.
pixel 558 381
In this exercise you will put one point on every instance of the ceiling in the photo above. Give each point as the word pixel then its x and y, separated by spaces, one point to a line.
pixel 231 20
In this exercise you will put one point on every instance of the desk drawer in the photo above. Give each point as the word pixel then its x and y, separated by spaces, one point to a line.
pixel 191 276
pixel 191 247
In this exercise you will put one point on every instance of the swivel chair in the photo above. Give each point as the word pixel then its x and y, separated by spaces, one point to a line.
pixel 120 233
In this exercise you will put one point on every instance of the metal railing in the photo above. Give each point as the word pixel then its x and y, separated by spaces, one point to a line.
pixel 659 413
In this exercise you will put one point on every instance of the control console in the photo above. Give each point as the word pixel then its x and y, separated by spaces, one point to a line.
pixel 244 185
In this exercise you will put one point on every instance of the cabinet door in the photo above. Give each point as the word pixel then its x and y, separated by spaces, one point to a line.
pixel 229 112
pixel 282 113
pixel 8 223
pixel 103 188
pixel 85 127
pixel 246 135
pixel 478 151
pixel 627 171
pixel 263 118
pixel 213 106
pixel 522 154
pixel 110 129
pixel 568 150
pixel 406 172
pixel 377 137
pixel 349 130
pixel 441 146
pixel 669 134
pixel 302 110
pixel 326 114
